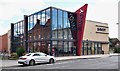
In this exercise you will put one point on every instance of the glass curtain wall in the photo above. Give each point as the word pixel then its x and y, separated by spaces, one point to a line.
pixel 49 31
pixel 18 35
pixel 39 31
pixel 63 42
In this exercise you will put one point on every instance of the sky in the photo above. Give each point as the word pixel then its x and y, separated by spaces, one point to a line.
pixel 105 11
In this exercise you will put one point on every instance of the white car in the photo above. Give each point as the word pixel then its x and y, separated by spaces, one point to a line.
pixel 33 58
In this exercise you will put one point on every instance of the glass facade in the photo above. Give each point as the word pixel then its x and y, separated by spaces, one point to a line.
pixel 62 41
pixel 91 47
pixel 18 34
pixel 50 31
pixel 39 25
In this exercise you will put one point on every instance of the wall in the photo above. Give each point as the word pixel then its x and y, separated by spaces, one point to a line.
pixel 5 42
pixel 9 41
pixel 91 32
pixel 105 47
pixel 97 31
pixel 119 20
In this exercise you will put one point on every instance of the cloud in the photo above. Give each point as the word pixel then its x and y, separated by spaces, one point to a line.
pixel 13 11
pixel 11 8
pixel 3 29
pixel 107 12
pixel 98 10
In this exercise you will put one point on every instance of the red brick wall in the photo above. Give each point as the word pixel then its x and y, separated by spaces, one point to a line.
pixel 5 42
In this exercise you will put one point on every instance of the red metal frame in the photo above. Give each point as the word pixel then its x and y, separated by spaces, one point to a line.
pixel 81 18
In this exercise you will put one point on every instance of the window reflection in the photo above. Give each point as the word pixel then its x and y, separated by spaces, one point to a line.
pixel 44 26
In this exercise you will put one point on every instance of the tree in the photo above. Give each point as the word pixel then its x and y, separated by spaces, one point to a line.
pixel 20 51
pixel 117 50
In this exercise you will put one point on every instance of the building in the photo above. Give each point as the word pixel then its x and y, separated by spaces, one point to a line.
pixel 96 37
pixel 57 32
pixel 9 42
pixel 36 31
pixel 40 35
pixel 119 20
pixel 5 43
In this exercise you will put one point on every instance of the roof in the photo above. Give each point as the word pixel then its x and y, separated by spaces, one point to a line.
pixel 48 8
pixel 96 22
pixel 114 39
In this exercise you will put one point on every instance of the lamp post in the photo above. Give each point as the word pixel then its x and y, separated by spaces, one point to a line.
pixel 118 31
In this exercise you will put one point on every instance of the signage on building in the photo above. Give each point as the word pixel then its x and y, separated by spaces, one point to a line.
pixel 101 29
pixel 73 26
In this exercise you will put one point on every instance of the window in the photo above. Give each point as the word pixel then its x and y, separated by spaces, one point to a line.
pixel 39 44
pixel 42 54
pixel 34 43
pixel 36 55
pixel 39 36
pixel 30 37
pixel 34 37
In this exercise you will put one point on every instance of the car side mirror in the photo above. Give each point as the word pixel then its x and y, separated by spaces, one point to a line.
pixel 46 55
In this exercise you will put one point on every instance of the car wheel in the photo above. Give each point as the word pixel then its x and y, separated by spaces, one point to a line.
pixel 51 60
pixel 32 62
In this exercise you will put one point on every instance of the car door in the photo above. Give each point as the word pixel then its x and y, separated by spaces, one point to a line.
pixel 36 57
pixel 43 57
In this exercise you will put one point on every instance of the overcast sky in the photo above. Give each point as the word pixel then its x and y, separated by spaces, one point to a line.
pixel 105 11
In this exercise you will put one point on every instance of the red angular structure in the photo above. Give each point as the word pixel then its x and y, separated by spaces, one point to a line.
pixel 81 18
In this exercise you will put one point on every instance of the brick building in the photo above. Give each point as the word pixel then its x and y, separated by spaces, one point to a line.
pixel 4 43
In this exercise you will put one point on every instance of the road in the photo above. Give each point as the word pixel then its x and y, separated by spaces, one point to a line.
pixel 98 63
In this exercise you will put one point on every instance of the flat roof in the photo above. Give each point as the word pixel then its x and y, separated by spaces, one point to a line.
pixel 49 8
pixel 96 22
pixel 42 10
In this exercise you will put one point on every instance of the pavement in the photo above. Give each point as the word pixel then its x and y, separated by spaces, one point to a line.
pixel 6 63
pixel 106 63
pixel 81 57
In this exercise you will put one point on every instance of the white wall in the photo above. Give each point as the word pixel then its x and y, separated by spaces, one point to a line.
pixel 119 20
pixel 90 31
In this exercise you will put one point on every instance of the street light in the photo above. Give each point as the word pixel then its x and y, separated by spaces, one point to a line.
pixel 118 31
